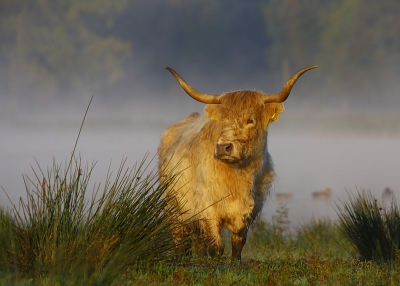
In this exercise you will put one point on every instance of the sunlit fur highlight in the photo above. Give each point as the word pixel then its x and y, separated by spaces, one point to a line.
pixel 214 192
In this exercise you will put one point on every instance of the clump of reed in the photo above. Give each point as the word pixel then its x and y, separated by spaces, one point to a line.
pixel 63 232
pixel 372 229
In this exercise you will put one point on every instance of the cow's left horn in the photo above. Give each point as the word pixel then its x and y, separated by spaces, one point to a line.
pixel 284 94
pixel 202 97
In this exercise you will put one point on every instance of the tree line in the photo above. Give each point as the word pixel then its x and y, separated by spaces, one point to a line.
pixel 53 49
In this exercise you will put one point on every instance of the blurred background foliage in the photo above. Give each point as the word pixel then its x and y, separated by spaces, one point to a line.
pixel 53 49
pixel 53 46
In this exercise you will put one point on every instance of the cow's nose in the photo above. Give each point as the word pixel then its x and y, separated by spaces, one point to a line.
pixel 224 149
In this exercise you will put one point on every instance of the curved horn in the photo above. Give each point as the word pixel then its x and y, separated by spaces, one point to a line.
pixel 284 94
pixel 202 97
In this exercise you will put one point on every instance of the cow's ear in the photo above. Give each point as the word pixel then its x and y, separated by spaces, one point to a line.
pixel 212 111
pixel 272 111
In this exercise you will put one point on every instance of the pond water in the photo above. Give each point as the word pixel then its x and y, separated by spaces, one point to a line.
pixel 304 162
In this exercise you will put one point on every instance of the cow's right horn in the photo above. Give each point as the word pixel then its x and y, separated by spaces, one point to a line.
pixel 202 97
pixel 284 94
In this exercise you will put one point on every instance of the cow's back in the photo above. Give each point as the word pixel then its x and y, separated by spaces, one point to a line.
pixel 176 157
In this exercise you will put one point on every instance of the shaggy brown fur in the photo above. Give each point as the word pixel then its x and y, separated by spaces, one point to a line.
pixel 224 168
pixel 215 191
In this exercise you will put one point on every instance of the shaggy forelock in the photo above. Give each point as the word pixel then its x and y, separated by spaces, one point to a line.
pixel 243 99
pixel 238 103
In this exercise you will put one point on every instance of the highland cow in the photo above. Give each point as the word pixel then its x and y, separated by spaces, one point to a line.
pixel 225 170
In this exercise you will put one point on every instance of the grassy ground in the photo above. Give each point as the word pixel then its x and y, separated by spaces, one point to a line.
pixel 316 253
pixel 61 235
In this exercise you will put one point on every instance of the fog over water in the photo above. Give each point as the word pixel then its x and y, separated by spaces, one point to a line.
pixel 340 129
pixel 307 157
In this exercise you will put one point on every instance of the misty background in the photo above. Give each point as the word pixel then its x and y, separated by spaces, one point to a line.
pixel 340 129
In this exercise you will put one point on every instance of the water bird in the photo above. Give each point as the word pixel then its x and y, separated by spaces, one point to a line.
pixel 325 194
pixel 283 196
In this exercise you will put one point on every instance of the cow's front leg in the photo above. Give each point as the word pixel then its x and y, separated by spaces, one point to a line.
pixel 239 229
pixel 238 242
pixel 213 242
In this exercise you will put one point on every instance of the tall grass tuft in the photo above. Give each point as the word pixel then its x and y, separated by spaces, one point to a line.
pixel 374 231
pixel 63 233
pixel 5 226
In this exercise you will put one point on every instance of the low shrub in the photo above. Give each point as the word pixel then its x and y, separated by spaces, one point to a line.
pixel 372 229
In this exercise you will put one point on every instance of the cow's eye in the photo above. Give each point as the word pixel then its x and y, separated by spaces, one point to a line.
pixel 250 121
